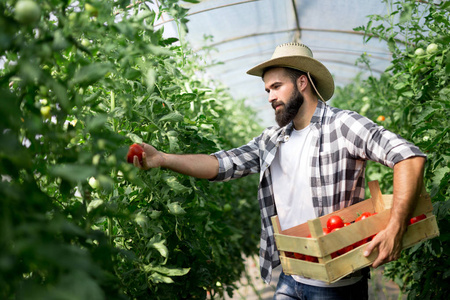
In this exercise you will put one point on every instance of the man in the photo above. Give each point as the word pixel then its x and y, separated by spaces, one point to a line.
pixel 310 165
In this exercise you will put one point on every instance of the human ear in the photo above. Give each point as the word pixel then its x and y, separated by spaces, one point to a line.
pixel 302 83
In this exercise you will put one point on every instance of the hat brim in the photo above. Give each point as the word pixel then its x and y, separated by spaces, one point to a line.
pixel 322 77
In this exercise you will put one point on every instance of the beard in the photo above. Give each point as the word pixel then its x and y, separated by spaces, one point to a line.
pixel 285 115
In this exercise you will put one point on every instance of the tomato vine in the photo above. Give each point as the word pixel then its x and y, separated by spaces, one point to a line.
pixel 80 82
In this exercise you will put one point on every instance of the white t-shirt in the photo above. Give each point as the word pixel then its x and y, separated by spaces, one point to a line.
pixel 291 173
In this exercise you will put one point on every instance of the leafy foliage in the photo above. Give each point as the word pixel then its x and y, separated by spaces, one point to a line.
pixel 79 84
pixel 412 98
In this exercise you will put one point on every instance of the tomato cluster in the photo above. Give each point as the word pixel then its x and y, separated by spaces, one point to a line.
pixel 335 223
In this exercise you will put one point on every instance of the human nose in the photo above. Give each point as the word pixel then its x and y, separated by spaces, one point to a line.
pixel 272 96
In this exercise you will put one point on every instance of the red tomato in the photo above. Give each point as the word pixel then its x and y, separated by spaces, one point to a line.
pixel 347 224
pixel 299 256
pixel 134 150
pixel 363 216
pixel 324 230
pixel 311 258
pixel 417 219
pixel 289 254
pixel 361 242
pixel 345 249
pixel 334 222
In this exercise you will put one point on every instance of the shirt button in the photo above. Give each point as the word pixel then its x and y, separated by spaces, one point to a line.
pixel 286 138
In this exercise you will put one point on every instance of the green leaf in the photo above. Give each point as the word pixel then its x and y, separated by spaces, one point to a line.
pixel 400 85
pixel 134 138
pixel 150 79
pixel 424 115
pixel 97 121
pixel 159 244
pixel 176 186
pixel 172 117
pixel 176 209
pixel 132 74
pixel 171 271
pixel 406 13
pixel 158 278
pixel 72 172
pixel 90 74
pixel 94 204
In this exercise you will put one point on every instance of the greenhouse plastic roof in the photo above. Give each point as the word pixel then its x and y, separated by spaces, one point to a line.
pixel 245 33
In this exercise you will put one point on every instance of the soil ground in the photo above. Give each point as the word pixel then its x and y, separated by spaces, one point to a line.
pixel 252 287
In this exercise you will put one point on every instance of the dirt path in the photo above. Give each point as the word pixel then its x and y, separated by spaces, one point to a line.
pixel 252 286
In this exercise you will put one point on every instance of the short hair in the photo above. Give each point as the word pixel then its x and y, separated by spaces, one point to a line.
pixel 293 74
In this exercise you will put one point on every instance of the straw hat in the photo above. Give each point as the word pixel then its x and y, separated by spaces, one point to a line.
pixel 300 57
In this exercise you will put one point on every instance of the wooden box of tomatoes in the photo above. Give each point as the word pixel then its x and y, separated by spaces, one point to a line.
pixel 311 250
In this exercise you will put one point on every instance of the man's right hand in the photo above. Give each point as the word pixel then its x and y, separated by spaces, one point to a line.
pixel 196 165
pixel 151 158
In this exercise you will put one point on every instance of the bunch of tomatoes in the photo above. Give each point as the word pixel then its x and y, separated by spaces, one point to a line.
pixel 335 223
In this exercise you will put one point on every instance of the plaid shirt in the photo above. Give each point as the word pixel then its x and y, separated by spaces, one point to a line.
pixel 342 141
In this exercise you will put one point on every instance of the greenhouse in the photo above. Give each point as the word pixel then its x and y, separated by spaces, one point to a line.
pixel 224 149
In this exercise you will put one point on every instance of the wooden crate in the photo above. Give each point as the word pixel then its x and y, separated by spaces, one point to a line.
pixel 322 246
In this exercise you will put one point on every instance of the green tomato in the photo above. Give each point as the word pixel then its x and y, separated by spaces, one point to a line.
pixel 432 48
pixel 45 111
pixel 227 207
pixel 93 183
pixel 419 52
pixel 85 42
pixel 111 160
pixel 101 144
pixel 27 12
pixel 92 10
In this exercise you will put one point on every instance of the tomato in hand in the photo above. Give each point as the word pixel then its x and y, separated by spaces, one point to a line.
pixel 334 222
pixel 417 219
pixel 135 150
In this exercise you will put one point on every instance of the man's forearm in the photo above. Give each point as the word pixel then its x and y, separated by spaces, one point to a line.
pixel 408 183
pixel 196 165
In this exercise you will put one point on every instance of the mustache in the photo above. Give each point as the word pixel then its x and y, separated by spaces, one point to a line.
pixel 276 103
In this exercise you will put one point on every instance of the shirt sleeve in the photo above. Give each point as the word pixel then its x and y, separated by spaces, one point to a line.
pixel 238 162
pixel 370 141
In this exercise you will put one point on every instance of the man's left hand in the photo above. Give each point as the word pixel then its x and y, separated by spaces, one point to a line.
pixel 389 245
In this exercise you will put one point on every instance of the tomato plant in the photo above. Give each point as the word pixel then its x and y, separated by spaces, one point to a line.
pixel 79 84
pixel 413 95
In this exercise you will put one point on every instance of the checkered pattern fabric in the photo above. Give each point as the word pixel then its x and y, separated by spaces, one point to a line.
pixel 342 140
